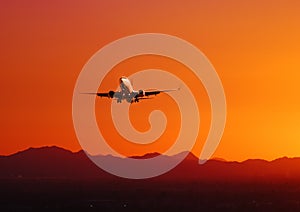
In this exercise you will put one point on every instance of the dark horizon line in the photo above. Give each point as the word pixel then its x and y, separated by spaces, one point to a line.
pixel 190 153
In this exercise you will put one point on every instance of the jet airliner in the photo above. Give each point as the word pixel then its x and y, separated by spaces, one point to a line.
pixel 128 93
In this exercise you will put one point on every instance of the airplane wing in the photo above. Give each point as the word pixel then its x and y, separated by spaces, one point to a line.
pixel 155 92
pixel 103 95
pixel 109 94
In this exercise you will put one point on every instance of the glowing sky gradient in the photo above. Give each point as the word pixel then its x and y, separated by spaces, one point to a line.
pixel 254 46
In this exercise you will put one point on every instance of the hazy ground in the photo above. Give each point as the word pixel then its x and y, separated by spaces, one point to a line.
pixel 151 195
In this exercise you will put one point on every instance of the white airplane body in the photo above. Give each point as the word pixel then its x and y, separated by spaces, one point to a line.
pixel 129 94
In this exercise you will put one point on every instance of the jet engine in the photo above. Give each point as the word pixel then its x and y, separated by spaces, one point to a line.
pixel 141 93
pixel 111 94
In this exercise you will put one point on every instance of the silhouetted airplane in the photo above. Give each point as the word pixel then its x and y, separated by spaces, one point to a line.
pixel 128 93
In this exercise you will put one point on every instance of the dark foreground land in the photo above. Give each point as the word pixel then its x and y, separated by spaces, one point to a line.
pixel 146 195
pixel 54 179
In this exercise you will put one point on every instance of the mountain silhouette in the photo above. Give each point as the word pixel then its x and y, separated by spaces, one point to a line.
pixel 146 156
pixel 55 162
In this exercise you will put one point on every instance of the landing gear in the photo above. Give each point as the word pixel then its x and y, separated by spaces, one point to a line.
pixel 119 100
pixel 135 100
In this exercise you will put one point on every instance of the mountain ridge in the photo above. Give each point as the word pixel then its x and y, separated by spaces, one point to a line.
pixel 146 155
pixel 55 162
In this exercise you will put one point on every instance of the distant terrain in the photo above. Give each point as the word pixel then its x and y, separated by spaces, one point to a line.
pixel 55 162
pixel 52 178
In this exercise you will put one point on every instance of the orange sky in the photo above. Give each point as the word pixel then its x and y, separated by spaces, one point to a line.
pixel 254 46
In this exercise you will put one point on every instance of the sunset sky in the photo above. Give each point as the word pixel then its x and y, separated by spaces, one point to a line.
pixel 254 46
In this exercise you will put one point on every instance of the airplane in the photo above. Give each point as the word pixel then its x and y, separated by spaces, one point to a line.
pixel 128 93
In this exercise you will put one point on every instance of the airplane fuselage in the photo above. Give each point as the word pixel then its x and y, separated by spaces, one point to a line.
pixel 127 92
